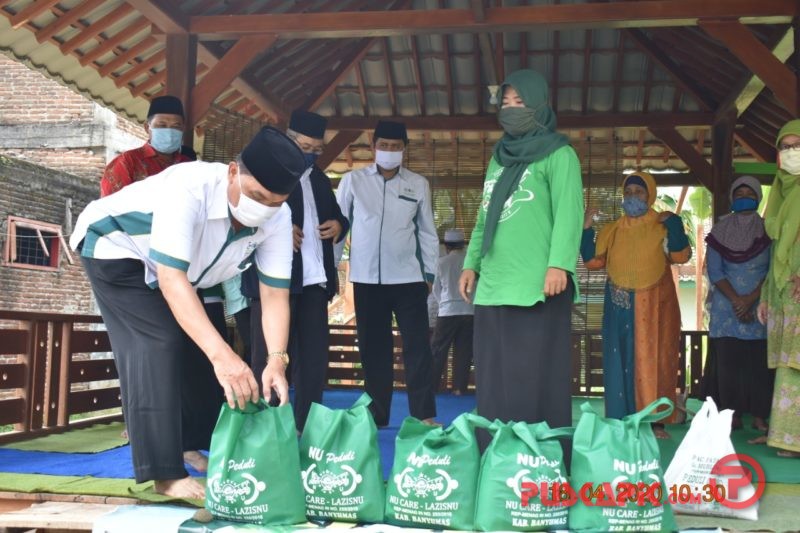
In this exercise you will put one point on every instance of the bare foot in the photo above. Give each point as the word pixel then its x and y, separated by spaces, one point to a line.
pixel 196 460
pixel 788 453
pixel 431 422
pixel 758 440
pixel 760 424
pixel 187 487
pixel 661 433
pixel 124 433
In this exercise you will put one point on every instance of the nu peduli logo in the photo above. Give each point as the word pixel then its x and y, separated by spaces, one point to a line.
pixel 327 481
pixel 246 491
pixel 438 485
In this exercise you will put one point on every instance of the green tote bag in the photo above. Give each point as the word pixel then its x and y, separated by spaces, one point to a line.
pixel 254 466
pixel 521 454
pixel 434 476
pixel 341 464
pixel 617 473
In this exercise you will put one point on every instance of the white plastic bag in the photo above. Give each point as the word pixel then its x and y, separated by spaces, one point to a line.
pixel 690 485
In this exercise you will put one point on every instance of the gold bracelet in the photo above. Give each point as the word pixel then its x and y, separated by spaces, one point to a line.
pixel 283 355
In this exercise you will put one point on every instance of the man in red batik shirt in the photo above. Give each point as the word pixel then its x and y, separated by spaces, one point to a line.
pixel 164 127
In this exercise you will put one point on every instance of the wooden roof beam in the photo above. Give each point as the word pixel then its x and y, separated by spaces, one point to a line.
pixel 127 56
pixel 748 88
pixel 246 85
pixel 67 19
pixel 140 68
pixel 176 23
pixel 389 76
pixel 566 121
pixel 640 148
pixel 336 146
pixel 351 24
pixel 448 74
pixel 107 45
pixel 226 70
pixel 556 68
pixel 417 74
pixel 684 149
pixel 96 28
pixel 30 12
pixel 758 58
pixel 759 149
pixel 587 69
pixel 655 54
pixel 168 20
pixel 478 10
pixel 362 93
pixel 150 82
pixel 337 74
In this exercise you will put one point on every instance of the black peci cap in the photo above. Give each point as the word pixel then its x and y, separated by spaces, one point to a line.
pixel 274 160
pixel 386 129
pixel 170 105
pixel 308 123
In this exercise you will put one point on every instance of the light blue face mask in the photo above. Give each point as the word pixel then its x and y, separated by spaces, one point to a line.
pixel 634 207
pixel 166 140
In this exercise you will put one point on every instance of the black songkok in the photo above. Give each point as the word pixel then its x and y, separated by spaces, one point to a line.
pixel 387 129
pixel 168 105
pixel 274 160
pixel 308 124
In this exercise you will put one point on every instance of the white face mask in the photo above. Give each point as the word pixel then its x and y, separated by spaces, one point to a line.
pixel 249 212
pixel 388 160
pixel 790 161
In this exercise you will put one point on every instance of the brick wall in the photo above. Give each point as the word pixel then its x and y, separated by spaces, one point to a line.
pixel 41 194
pixel 29 98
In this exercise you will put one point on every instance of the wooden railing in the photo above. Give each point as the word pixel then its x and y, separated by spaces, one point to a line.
pixel 55 368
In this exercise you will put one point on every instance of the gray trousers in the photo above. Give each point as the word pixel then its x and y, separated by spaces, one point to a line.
pixel 169 390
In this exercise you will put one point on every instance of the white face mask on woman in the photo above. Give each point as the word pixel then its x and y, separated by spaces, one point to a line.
pixel 249 212
pixel 388 160
pixel 790 161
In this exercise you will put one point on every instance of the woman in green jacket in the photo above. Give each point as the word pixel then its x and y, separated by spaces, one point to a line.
pixel 521 262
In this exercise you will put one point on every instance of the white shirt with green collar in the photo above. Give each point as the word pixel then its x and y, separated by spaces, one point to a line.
pixel 180 218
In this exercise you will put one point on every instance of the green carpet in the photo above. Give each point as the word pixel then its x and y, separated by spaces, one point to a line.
pixel 96 438
pixel 91 486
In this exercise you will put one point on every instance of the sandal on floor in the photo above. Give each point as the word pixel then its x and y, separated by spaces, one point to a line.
pixel 758 440
pixel 788 453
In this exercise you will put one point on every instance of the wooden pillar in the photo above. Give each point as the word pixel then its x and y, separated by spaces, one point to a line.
pixel 796 28
pixel 722 162
pixel 181 66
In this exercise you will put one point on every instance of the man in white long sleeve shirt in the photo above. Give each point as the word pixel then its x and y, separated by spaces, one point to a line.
pixel 393 252
pixel 454 323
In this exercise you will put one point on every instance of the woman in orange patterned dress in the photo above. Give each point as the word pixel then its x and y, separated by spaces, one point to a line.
pixel 641 317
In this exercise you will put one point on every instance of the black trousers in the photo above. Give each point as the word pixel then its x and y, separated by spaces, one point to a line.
pixel 523 360
pixel 258 346
pixel 202 401
pixel 745 381
pixel 159 370
pixel 309 337
pixel 308 348
pixel 242 319
pixel 374 305
pixel 457 331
